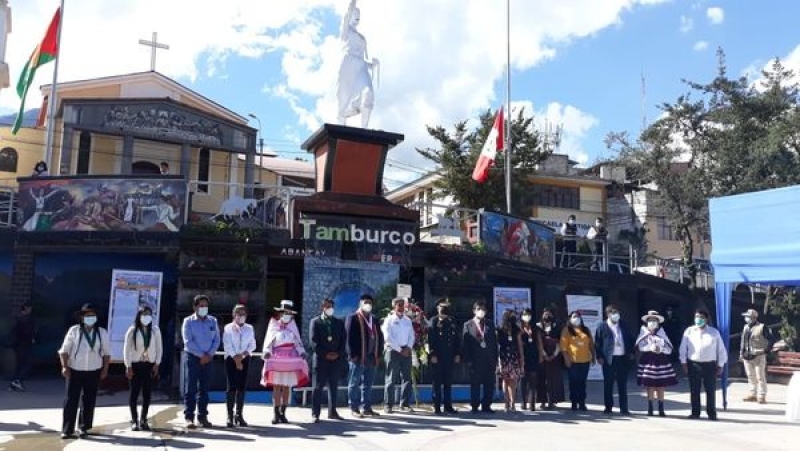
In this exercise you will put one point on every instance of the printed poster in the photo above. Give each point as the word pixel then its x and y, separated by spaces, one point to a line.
pixel 129 290
pixel 508 298
pixel 591 309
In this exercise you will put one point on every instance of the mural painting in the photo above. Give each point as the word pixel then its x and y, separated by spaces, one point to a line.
pixel 517 239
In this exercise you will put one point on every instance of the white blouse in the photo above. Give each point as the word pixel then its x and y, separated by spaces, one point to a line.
pixel 238 339
pixel 279 334
pixel 134 350
pixel 81 356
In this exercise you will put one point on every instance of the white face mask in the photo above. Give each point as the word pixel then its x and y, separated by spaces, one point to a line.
pixel 240 319
pixel 526 318
pixel 748 320
pixel 89 320
pixel 366 307
pixel 571 221
pixel 480 314
pixel 329 311
pixel 146 320
pixel 202 311
pixel 575 321
pixel 286 318
pixel 652 325
pixel 615 317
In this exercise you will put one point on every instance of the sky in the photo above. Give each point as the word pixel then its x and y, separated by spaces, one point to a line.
pixel 590 66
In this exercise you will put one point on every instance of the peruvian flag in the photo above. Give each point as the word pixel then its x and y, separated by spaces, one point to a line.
pixel 494 142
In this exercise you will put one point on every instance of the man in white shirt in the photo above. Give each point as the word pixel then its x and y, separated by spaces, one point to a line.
pixel 398 333
pixel 703 356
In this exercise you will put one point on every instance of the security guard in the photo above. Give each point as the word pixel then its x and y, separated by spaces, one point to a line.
pixel 444 342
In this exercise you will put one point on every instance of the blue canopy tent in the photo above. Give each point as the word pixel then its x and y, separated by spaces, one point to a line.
pixel 756 239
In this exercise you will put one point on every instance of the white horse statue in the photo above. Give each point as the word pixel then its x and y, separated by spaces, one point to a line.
pixel 237 206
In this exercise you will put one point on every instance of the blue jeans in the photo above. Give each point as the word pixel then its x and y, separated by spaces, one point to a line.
pixel 195 390
pixel 360 376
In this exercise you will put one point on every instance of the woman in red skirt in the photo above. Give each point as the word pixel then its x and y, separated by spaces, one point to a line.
pixel 285 363
pixel 655 366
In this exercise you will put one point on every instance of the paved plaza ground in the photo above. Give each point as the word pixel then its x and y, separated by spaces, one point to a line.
pixel 30 421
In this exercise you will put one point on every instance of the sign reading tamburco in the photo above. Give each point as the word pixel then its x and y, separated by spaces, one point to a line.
pixel 356 233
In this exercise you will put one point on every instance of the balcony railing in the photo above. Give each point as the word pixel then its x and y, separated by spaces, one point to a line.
pixel 9 207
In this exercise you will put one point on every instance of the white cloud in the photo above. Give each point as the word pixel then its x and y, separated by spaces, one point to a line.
pixel 575 126
pixel 716 15
pixel 699 46
pixel 790 62
pixel 687 23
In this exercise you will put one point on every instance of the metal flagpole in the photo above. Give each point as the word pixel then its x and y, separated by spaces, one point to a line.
pixel 507 127
pixel 52 104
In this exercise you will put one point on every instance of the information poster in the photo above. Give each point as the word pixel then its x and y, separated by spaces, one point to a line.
pixel 591 309
pixel 507 298
pixel 129 290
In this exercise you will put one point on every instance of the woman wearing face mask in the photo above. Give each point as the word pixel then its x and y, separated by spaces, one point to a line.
pixel 285 365
pixel 578 347
pixel 142 354
pixel 551 379
pixel 655 368
pixel 510 362
pixel 531 351
pixel 239 342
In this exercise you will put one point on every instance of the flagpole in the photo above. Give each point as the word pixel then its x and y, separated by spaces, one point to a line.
pixel 507 126
pixel 51 104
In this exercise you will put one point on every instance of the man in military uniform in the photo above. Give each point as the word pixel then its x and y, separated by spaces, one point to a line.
pixel 328 340
pixel 569 230
pixel 444 345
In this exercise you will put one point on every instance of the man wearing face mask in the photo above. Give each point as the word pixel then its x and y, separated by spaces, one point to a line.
pixel 444 349
pixel 328 342
pixel 364 342
pixel 615 350
pixel 703 356
pixel 479 339
pixel 201 338
pixel 84 354
pixel 239 343
pixel 569 230
pixel 756 342
pixel 398 335
pixel 599 235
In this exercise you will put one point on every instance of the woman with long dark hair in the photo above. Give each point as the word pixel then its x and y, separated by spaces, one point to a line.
pixel 551 378
pixel 142 351
pixel 510 359
pixel 578 351
pixel 531 355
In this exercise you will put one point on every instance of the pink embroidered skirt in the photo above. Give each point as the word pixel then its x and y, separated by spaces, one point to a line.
pixel 285 367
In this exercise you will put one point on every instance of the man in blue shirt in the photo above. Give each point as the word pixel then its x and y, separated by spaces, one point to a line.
pixel 201 339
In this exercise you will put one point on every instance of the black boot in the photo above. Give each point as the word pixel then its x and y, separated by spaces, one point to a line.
pixel 649 408
pixel 277 415
pixel 239 408
pixel 229 400
pixel 283 415
pixel 661 412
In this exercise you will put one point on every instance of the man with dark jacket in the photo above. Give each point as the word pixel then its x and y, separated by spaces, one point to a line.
pixel 479 348
pixel 23 338
pixel 364 345
pixel 444 343
pixel 328 342
pixel 615 349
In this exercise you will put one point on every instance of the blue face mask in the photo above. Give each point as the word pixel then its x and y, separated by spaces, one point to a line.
pixel 615 317
pixel 699 322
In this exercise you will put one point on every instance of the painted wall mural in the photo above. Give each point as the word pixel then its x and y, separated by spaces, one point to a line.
pixel 517 239
pixel 101 204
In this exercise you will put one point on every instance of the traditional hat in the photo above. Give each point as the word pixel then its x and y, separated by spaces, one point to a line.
pixel 287 306
pixel 653 314
pixel 752 313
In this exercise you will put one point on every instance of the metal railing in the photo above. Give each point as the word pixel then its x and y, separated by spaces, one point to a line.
pixel 9 207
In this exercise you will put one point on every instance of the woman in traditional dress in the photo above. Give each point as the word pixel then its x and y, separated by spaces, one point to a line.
pixel 285 364
pixel 655 367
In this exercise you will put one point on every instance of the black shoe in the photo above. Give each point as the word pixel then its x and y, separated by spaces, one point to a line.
pixel 437 411
pixel 204 422
pixel 543 406
pixel 276 414
pixel 574 406
pixel 487 410
pixel 371 413
pixel 144 425
pixel 315 419
pixel 712 417
pixel 67 435
pixel 135 425
pixel 334 416
pixel 239 421
pixel 190 423
pixel 388 410
pixel 582 407
pixel 450 410
pixel 625 412
pixel 230 422
pixel 693 417
pixel 283 415
pixel 607 411
pixel 356 413
pixel 83 433
pixel 551 406
pixel 661 412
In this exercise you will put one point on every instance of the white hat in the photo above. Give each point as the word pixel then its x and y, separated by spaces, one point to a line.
pixel 286 306
pixel 653 314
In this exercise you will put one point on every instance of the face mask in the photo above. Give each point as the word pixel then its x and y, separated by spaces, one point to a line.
pixel 444 312
pixel 575 322
pixel 286 318
pixel 401 310
pixel 89 320
pixel 614 317
pixel 240 319
pixel 202 311
pixel 329 311
pixel 571 221
pixel 366 307
pixel 652 325
pixel 526 318
pixel 748 320
pixel 480 314
pixel 547 318
pixel 699 322
pixel 146 320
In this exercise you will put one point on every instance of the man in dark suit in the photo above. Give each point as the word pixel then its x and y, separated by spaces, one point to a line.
pixel 615 349
pixel 364 346
pixel 444 344
pixel 328 340
pixel 479 349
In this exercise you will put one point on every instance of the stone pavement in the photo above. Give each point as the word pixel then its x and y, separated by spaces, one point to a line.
pixel 30 421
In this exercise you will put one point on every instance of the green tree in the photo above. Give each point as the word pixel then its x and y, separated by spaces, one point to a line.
pixel 458 152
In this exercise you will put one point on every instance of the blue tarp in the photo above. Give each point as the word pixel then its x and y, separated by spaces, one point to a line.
pixel 756 239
